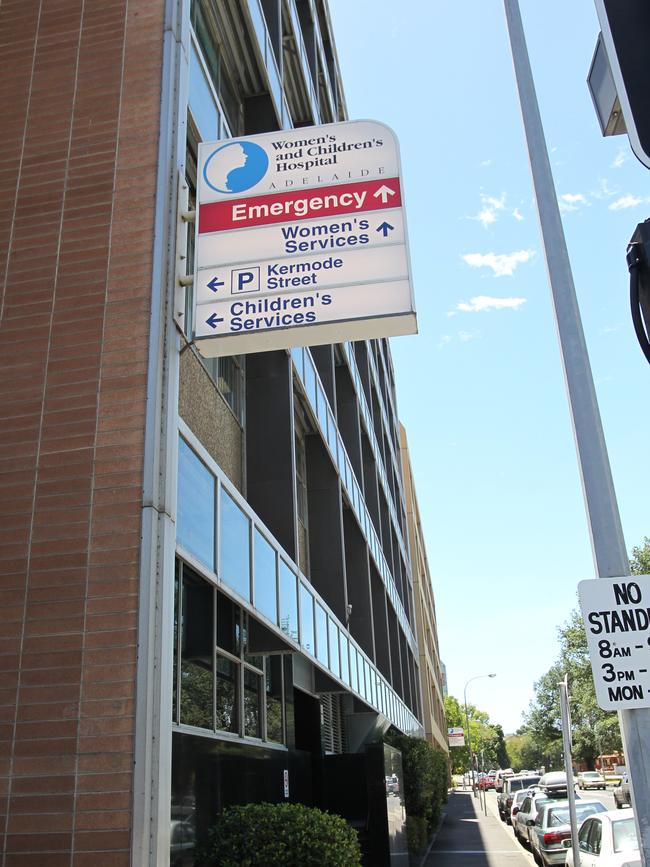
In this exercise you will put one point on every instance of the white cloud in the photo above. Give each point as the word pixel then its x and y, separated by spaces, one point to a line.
pixel 621 157
pixel 517 215
pixel 502 264
pixel 488 213
pixel 489 302
pixel 572 201
pixel 485 163
pixel 493 202
pixel 459 336
pixel 628 201
pixel 604 190
pixel 486 217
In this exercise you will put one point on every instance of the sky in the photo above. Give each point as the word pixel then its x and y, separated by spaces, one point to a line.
pixel 480 388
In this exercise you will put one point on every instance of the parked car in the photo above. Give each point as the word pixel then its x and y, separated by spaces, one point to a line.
pixel 517 801
pixel 528 810
pixel 591 780
pixel 510 785
pixel 606 840
pixel 551 827
pixel 622 796
pixel 554 783
pixel 500 776
pixel 486 782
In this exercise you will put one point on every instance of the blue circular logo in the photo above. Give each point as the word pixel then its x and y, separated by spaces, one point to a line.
pixel 235 167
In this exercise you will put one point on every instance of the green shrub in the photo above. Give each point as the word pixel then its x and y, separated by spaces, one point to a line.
pixel 426 777
pixel 416 834
pixel 280 835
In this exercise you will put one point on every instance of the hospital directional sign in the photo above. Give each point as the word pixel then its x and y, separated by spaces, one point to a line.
pixel 301 240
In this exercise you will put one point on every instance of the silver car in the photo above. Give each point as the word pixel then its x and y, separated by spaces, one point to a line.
pixel 527 812
pixel 551 827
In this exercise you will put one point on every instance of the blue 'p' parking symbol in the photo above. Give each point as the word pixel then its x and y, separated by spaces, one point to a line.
pixel 245 280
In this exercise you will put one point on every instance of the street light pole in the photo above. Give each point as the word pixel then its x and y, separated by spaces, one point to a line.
pixel 607 542
pixel 469 739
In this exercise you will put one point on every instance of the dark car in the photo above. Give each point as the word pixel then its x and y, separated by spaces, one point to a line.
pixel 511 785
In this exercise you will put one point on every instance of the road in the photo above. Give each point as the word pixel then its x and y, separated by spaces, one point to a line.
pixel 471 838
pixel 606 798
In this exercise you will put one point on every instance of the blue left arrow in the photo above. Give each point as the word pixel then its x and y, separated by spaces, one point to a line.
pixel 214 284
pixel 385 228
pixel 214 320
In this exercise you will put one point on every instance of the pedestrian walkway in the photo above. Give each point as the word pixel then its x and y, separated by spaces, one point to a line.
pixel 469 838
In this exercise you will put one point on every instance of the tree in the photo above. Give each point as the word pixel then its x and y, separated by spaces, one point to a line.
pixel 487 739
pixel 524 752
pixel 640 562
pixel 593 730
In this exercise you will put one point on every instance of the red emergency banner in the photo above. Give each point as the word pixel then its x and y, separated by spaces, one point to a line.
pixel 295 205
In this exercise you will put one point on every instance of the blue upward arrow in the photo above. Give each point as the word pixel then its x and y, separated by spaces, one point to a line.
pixel 385 228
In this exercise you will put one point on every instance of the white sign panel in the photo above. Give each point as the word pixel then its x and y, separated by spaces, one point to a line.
pixel 616 612
pixel 456 736
pixel 301 240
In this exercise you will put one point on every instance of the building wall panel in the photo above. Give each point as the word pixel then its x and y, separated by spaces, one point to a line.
pixel 80 87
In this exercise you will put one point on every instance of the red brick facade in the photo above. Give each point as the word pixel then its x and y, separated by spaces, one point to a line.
pixel 80 91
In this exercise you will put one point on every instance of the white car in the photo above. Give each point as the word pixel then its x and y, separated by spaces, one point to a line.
pixel 591 780
pixel 607 840
pixel 517 800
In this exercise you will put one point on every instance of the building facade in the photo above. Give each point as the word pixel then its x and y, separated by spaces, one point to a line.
pixel 206 569
pixel 431 669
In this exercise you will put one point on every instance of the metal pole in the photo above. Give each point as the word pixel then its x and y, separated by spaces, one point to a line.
pixel 469 742
pixel 568 767
pixel 607 542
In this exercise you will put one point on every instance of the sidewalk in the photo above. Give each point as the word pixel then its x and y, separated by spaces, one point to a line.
pixel 469 838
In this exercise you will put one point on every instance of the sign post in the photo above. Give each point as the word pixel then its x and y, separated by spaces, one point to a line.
pixel 608 544
pixel 301 240
pixel 568 767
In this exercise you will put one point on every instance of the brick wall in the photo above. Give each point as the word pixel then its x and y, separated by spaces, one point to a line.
pixel 80 91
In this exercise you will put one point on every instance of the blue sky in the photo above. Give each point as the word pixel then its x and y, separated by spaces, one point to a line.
pixel 480 389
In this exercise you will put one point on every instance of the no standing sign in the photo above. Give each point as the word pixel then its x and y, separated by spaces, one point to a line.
pixel 616 613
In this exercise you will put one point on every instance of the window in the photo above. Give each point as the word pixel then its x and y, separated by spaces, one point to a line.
pixel 302 510
pixel 288 602
pixel 307 620
pixel 334 649
pixel 196 669
pixel 235 546
pixel 274 704
pixel 196 495
pixel 595 836
pixel 227 694
pixel 205 27
pixel 322 654
pixel 624 836
pixel 218 684
pixel 265 564
pixel 252 704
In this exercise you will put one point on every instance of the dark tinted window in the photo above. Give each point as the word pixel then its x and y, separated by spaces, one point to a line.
pixel 517 783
